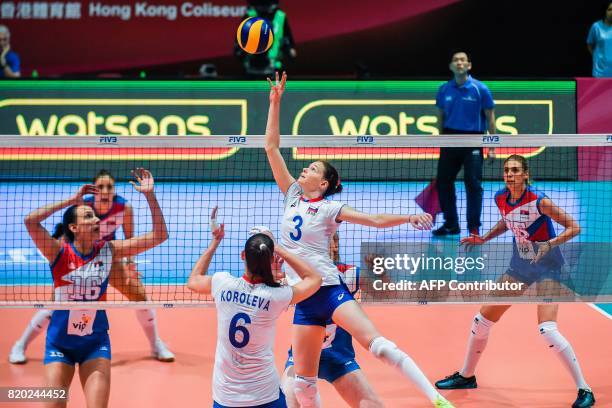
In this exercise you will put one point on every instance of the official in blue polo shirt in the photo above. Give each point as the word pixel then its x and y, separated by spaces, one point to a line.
pixel 465 107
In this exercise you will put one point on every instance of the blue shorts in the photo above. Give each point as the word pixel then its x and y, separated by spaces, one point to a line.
pixel 531 276
pixel 279 403
pixel 318 309
pixel 332 365
pixel 98 347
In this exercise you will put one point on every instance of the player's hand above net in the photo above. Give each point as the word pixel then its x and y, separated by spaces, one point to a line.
pixel 83 191
pixel 277 88
pixel 144 180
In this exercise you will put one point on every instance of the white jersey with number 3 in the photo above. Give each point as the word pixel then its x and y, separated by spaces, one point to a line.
pixel 307 227
pixel 245 373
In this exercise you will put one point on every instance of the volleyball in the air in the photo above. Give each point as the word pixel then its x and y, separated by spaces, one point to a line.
pixel 255 35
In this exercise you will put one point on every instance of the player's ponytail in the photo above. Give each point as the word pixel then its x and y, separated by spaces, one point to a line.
pixel 259 253
pixel 69 217
pixel 58 231
pixel 331 175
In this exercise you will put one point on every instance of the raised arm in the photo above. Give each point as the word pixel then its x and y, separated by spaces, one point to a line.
pixel 136 245
pixel 41 237
pixel 283 178
pixel 311 280
pixel 198 281
pixel 418 221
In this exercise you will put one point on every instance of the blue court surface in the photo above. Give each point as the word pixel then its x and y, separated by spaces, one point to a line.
pixel 187 206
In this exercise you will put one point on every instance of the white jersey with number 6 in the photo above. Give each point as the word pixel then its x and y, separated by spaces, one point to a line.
pixel 306 229
pixel 245 373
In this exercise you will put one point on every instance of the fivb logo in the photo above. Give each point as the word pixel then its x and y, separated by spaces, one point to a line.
pixel 609 139
pixel 108 140
pixel 491 139
pixel 236 140
pixel 365 140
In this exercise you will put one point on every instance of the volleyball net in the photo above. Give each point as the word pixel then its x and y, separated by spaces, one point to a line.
pixel 380 174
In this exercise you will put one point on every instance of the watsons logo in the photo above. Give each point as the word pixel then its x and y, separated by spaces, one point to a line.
pixel 364 118
pixel 111 118
pixel 93 123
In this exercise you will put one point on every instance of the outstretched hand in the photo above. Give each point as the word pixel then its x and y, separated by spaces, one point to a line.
pixel 422 221
pixel 145 181
pixel 543 249
pixel 84 190
pixel 472 241
pixel 218 231
pixel 277 88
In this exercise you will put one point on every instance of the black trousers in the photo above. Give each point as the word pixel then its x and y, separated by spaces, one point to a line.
pixel 450 163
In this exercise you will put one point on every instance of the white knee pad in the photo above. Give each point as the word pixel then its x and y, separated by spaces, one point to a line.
pixel 387 351
pixel 306 392
pixel 41 320
pixel 481 327
pixel 551 335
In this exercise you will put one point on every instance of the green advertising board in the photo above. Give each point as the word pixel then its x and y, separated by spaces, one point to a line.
pixel 351 108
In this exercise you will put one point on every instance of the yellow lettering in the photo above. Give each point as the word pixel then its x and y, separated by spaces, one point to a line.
pixel 195 125
pixel 348 128
pixel 404 122
pixel 115 125
pixel 74 120
pixel 386 120
pixel 169 120
pixel 37 128
pixel 92 121
pixel 503 123
pixel 428 124
pixel 144 120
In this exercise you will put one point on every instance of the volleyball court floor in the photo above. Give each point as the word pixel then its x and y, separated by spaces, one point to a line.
pixel 517 369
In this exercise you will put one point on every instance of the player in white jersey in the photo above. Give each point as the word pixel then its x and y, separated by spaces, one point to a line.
pixel 113 211
pixel 536 259
pixel 81 266
pixel 247 309
pixel 309 221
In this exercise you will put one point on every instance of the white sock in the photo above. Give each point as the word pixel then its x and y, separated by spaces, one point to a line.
pixel 558 343
pixel 388 352
pixel 479 336
pixel 38 324
pixel 148 321
pixel 306 392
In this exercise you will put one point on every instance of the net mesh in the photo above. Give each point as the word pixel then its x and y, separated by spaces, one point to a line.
pixel 379 175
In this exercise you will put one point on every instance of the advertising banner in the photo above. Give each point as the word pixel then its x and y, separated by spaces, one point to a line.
pixel 349 108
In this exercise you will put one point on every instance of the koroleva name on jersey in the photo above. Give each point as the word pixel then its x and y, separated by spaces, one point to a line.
pixel 245 299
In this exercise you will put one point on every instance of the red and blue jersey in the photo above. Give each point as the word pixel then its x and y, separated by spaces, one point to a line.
pixel 83 278
pixel 112 220
pixel 524 218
